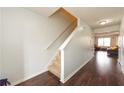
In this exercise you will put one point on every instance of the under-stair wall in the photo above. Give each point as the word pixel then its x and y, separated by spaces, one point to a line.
pixel 76 51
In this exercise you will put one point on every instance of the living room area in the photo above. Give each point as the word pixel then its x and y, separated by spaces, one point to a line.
pixel 107 41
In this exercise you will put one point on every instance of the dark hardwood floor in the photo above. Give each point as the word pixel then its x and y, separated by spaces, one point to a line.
pixel 100 71
pixel 45 79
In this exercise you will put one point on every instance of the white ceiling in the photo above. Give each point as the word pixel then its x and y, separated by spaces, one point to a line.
pixel 46 11
pixel 90 15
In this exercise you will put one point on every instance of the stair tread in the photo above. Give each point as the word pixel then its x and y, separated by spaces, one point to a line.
pixel 54 70
pixel 55 67
pixel 57 64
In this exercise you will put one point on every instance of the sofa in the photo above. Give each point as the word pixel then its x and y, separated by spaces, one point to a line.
pixel 112 51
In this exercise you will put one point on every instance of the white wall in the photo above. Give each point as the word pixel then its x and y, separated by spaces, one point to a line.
pixel 121 45
pixel 46 11
pixel 26 35
pixel 107 29
pixel 78 51
pixel 0 46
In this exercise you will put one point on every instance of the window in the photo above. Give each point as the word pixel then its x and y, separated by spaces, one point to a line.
pixel 104 41
pixel 100 42
pixel 107 41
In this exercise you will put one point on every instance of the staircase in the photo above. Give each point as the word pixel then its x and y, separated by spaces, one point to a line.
pixel 55 66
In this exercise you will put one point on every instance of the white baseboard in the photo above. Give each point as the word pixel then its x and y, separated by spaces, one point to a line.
pixel 121 65
pixel 73 73
pixel 27 78
pixel 122 69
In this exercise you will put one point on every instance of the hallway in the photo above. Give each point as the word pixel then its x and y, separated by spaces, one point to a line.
pixel 101 71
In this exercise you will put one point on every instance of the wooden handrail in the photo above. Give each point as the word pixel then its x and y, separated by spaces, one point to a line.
pixel 61 34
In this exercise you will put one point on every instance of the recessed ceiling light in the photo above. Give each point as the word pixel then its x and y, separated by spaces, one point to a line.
pixel 80 28
pixel 104 21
